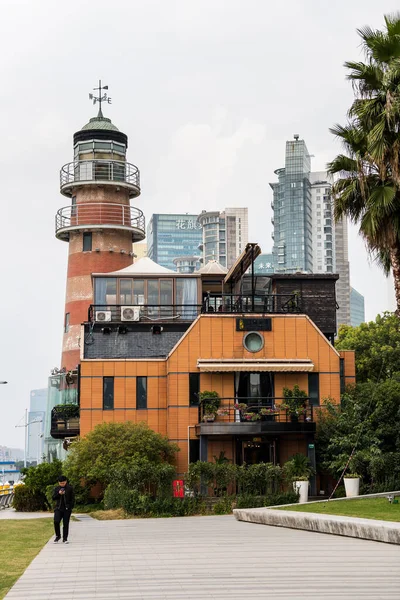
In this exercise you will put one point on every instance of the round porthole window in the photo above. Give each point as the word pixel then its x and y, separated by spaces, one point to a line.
pixel 253 341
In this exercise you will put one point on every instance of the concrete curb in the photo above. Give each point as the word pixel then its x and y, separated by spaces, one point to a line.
pixel 366 529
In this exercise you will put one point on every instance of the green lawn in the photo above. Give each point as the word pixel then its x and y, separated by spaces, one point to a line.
pixel 366 508
pixel 20 542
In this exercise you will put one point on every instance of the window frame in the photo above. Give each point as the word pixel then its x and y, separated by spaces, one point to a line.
pixel 88 236
pixel 108 403
pixel 140 377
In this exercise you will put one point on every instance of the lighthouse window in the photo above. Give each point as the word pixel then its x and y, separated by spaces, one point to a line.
pixel 102 146
pixel 87 242
pixel 66 323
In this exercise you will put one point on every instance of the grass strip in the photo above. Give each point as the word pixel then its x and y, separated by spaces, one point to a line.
pixel 363 508
pixel 21 541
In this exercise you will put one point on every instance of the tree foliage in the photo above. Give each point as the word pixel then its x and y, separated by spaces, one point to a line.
pixel 111 447
pixel 376 345
pixel 367 420
pixel 367 186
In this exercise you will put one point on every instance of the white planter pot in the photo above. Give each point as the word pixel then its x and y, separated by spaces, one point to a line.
pixel 352 486
pixel 301 487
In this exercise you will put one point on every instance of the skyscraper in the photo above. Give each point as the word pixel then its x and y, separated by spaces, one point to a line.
pixel 306 237
pixel 292 220
pixel 357 310
pixel 170 236
pixel 225 235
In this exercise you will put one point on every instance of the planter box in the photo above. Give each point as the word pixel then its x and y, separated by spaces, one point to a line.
pixel 352 486
pixel 301 487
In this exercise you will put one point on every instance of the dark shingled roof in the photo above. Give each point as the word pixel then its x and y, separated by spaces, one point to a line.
pixel 134 344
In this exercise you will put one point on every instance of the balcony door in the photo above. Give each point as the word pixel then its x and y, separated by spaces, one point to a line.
pixel 256 388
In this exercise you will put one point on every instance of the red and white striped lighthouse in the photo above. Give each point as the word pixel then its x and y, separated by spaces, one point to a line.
pixel 99 224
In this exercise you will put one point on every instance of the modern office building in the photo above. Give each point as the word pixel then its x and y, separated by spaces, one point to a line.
pixel 36 418
pixel 170 236
pixel 224 235
pixel 357 308
pixel 306 237
pixel 264 264
pixel 323 231
pixel 292 206
pixel 187 264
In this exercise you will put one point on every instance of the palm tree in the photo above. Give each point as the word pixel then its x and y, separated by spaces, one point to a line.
pixel 367 176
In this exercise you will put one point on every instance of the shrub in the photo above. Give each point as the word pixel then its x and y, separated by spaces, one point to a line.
pixel 259 479
pixel 298 468
pixel 223 506
pixel 251 501
pixel 26 500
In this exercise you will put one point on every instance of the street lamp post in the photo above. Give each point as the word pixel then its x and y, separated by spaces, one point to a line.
pixel 26 425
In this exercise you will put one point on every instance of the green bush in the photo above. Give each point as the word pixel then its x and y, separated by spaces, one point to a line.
pixel 260 479
pixel 250 501
pixel 26 500
pixel 223 506
pixel 144 505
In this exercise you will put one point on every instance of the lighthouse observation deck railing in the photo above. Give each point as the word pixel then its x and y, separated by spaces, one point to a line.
pixel 100 214
pixel 87 171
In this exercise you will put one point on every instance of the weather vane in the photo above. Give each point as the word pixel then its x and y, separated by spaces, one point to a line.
pixel 101 97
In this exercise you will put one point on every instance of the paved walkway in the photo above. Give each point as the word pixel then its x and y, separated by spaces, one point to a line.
pixel 208 557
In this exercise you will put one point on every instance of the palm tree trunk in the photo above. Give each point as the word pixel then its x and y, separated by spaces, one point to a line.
pixel 395 264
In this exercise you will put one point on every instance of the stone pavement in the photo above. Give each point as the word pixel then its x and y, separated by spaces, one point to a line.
pixel 208 557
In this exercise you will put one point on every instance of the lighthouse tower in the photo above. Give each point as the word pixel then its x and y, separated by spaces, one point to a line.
pixel 99 223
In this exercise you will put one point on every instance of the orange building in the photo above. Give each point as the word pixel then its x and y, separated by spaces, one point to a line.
pixel 155 340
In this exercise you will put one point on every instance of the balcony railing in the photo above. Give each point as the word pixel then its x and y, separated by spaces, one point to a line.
pixel 257 303
pixel 64 422
pixel 105 171
pixel 100 215
pixel 254 410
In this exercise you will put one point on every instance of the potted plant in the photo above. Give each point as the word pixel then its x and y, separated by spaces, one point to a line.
pixel 297 471
pixel 268 414
pixel 222 412
pixel 251 416
pixel 295 402
pixel 210 402
pixel 352 484
pixel 242 408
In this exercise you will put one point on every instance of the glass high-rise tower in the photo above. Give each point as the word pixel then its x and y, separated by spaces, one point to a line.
pixel 292 207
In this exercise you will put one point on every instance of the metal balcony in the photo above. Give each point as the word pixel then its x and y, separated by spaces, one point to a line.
pixel 64 421
pixel 103 172
pixel 100 215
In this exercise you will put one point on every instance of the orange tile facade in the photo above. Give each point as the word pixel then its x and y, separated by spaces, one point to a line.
pixel 210 337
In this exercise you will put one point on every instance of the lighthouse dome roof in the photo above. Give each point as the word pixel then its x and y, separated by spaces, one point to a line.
pixel 100 123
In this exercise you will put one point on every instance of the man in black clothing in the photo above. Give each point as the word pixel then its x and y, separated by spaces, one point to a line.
pixel 63 494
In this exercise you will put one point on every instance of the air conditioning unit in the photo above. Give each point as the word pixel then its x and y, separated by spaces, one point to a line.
pixel 130 313
pixel 103 315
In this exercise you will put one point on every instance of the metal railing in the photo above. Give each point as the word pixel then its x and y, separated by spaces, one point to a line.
pixel 64 424
pixel 118 313
pixel 250 410
pixel 259 303
pixel 83 171
pixel 99 214
pixel 6 499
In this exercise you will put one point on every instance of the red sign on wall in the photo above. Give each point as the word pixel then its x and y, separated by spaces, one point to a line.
pixel 178 488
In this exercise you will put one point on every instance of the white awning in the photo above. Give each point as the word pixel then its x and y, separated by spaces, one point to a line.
pixel 223 365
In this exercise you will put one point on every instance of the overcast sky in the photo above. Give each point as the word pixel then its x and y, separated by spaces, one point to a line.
pixel 207 92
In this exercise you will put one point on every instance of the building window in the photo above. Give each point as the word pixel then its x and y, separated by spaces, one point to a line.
pixel 87 242
pixel 66 323
pixel 194 450
pixel 141 393
pixel 313 389
pixel 342 377
pixel 194 388
pixel 73 206
pixel 108 393
pixel 253 341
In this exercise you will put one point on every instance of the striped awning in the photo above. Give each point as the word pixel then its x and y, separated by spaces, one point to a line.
pixel 267 364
